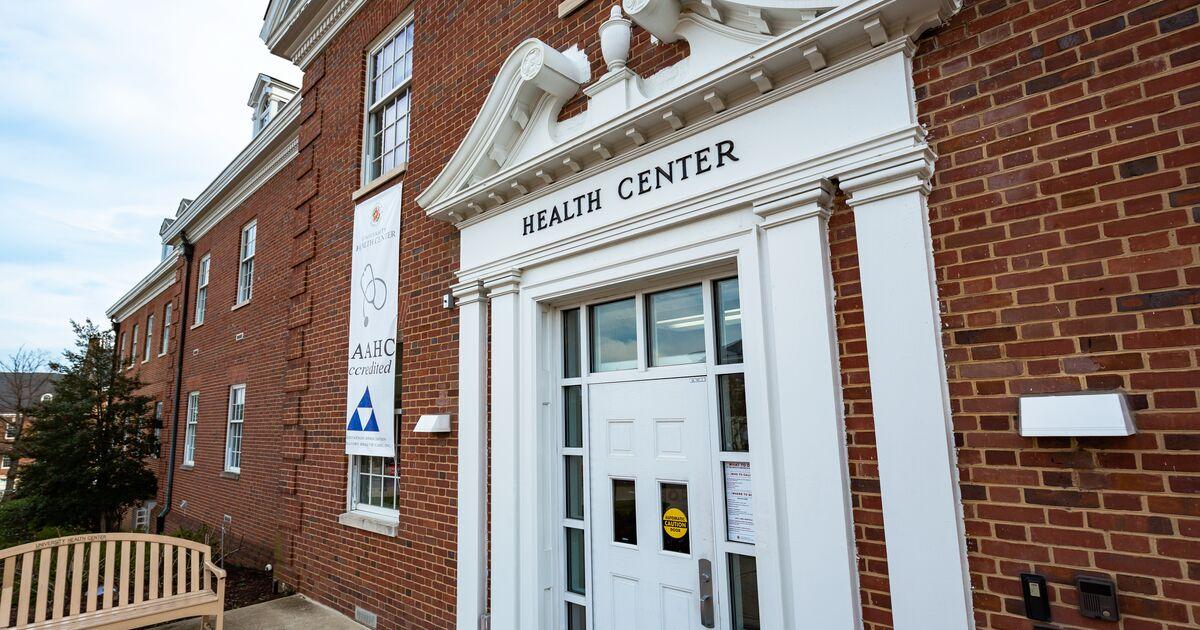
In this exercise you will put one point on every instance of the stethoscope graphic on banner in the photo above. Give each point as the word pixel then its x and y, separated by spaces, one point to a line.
pixel 374 292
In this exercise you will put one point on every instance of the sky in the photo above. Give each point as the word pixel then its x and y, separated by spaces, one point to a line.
pixel 111 111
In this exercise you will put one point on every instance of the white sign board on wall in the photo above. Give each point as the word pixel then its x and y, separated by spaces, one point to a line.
pixel 371 368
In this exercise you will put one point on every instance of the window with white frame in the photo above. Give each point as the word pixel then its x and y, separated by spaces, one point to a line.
pixel 149 338
pixel 10 426
pixel 123 349
pixel 375 483
pixel 189 435
pixel 233 430
pixel 5 462
pixel 133 355
pixel 166 331
pixel 202 288
pixel 246 265
pixel 158 416
pixel 47 397
pixel 389 79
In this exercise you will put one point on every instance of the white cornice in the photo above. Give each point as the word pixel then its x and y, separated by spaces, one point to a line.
pixel 148 288
pixel 270 150
pixel 829 44
pixel 300 31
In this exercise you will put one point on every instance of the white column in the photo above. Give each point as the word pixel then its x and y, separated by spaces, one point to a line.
pixel 506 440
pixel 922 511
pixel 819 569
pixel 471 599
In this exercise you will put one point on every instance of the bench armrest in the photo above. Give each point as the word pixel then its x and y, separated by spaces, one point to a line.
pixel 214 569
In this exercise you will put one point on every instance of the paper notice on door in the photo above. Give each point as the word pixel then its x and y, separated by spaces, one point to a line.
pixel 739 499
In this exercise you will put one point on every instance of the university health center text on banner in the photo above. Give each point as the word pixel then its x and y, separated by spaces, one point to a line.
pixel 371 386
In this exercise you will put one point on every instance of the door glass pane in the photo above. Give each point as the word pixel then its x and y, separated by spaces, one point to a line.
pixel 731 388
pixel 614 336
pixel 743 589
pixel 574 486
pixel 575 582
pixel 576 617
pixel 676 326
pixel 571 343
pixel 573 416
pixel 675 517
pixel 624 512
pixel 729 322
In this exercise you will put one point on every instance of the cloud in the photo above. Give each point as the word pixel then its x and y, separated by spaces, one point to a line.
pixel 111 112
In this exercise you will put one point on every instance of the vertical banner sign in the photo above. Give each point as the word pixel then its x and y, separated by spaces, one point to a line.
pixel 375 274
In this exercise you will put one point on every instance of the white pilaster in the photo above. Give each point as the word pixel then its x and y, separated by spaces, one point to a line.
pixel 471 599
pixel 506 439
pixel 922 511
pixel 819 571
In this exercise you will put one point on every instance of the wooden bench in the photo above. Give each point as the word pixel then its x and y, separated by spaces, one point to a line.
pixel 110 581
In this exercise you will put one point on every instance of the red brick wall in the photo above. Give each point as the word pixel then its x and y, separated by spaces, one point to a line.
pixel 1065 236
pixel 410 580
pixel 1065 240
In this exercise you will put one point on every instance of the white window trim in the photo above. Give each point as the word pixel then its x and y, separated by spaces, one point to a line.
pixel 246 283
pixel 168 312
pixel 367 182
pixel 229 422
pixel 203 271
pixel 9 425
pixel 133 347
pixel 191 425
pixel 149 350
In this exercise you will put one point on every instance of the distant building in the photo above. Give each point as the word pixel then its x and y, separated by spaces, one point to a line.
pixel 19 390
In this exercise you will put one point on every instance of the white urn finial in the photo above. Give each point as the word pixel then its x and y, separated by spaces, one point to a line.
pixel 615 34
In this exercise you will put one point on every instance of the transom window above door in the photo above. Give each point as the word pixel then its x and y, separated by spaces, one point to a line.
pixel 662 328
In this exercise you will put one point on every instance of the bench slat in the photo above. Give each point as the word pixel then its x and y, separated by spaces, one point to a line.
pixel 110 558
pixel 76 577
pixel 168 569
pixel 26 585
pixel 123 589
pixel 60 581
pixel 195 570
pixel 93 575
pixel 139 576
pixel 10 571
pixel 154 553
pixel 43 585
pixel 181 581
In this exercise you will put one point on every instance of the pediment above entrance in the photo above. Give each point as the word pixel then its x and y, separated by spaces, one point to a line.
pixel 517 148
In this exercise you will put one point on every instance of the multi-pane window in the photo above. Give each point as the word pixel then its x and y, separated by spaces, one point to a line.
pixel 388 90
pixel 233 430
pixel 202 288
pixel 123 349
pixel 10 427
pixel 166 331
pixel 149 337
pixel 246 264
pixel 376 483
pixel 189 434
pixel 158 415
pixel 133 355
pixel 5 462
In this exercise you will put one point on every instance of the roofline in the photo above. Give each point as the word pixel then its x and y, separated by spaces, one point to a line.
pixel 277 137
pixel 148 288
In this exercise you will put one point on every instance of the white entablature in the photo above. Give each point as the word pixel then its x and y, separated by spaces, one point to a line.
pixel 739 50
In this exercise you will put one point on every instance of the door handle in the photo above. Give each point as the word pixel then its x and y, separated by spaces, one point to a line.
pixel 704 567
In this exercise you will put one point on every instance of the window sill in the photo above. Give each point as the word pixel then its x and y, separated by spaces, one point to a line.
pixel 239 305
pixel 187 467
pixel 371 523
pixel 195 326
pixel 379 182
pixel 567 7
pixel 162 354
pixel 231 474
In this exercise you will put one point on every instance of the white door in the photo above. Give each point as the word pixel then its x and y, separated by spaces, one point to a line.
pixel 651 494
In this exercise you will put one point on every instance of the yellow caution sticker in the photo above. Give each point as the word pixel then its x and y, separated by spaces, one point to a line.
pixel 675 523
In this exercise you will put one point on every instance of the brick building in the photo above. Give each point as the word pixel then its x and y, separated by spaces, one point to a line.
pixel 710 313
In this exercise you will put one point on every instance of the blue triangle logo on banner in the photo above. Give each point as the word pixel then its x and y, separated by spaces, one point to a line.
pixel 364 407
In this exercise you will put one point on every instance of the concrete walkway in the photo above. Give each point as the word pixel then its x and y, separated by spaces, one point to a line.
pixel 288 613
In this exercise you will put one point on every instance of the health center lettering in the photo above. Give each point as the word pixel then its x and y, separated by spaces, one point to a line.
pixel 680 169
